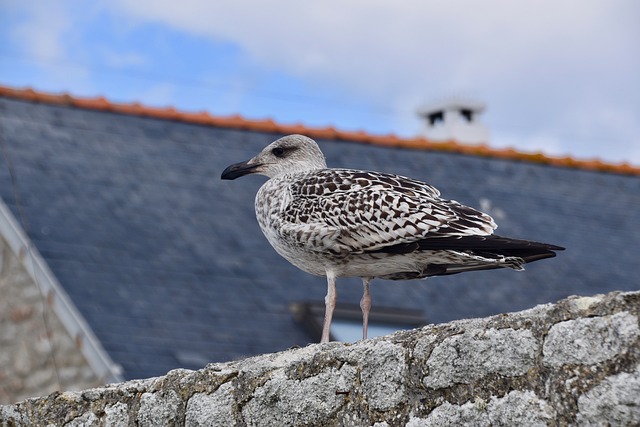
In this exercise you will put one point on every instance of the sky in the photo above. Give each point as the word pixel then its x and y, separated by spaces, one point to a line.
pixel 557 76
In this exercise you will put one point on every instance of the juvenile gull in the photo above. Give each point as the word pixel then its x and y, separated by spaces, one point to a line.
pixel 353 223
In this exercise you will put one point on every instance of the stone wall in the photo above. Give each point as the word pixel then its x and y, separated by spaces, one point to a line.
pixel 37 354
pixel 576 362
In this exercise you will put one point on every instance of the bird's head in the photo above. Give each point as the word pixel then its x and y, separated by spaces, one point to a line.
pixel 292 153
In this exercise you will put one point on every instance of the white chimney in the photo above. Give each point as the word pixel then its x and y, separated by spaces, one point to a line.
pixel 454 119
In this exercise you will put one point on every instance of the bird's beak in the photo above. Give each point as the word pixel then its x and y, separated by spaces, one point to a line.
pixel 240 169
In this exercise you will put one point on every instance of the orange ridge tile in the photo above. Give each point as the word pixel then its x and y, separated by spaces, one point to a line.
pixel 268 125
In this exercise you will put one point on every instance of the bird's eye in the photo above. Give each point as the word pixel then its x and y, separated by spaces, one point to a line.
pixel 278 151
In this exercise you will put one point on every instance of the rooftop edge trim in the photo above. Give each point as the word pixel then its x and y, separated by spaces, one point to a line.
pixel 267 125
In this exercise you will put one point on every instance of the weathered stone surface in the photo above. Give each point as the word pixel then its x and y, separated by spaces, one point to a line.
pixel 116 415
pixel 515 409
pixel 472 355
pixel 594 339
pixel 383 373
pixel 211 410
pixel 292 401
pixel 88 419
pixel 37 354
pixel 576 362
pixel 615 401
pixel 159 409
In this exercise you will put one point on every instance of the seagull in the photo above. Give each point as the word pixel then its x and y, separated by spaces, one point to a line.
pixel 356 223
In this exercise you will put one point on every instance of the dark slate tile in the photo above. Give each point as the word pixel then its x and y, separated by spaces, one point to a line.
pixel 160 255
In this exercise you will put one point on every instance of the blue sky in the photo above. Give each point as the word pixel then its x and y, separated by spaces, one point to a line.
pixel 557 76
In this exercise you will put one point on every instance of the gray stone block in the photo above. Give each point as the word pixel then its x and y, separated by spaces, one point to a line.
pixel 589 341
pixel 381 381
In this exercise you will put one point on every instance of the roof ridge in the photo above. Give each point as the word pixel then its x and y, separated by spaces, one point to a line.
pixel 100 103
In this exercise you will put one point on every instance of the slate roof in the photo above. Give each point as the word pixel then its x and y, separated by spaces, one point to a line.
pixel 168 265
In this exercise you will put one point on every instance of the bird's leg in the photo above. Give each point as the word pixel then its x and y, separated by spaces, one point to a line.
pixel 365 305
pixel 330 305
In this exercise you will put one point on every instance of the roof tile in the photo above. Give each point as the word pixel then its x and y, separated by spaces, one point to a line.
pixel 329 132
pixel 158 253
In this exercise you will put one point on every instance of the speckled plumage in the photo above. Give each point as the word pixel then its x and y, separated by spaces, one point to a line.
pixel 343 222
pixel 344 219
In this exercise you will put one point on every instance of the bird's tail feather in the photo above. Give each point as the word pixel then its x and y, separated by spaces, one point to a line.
pixel 477 253
pixel 491 245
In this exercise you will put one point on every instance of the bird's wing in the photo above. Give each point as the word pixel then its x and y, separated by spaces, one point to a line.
pixel 341 211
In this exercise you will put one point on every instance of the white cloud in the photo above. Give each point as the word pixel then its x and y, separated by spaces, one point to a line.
pixel 459 43
pixel 544 143
pixel 40 35
pixel 550 71
pixel 609 129
pixel 157 95
pixel 43 31
pixel 539 64
pixel 118 59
